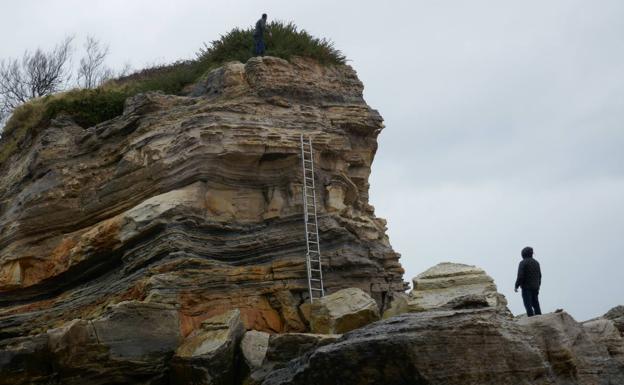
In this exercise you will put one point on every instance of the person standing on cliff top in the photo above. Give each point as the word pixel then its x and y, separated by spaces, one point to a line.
pixel 530 279
pixel 258 35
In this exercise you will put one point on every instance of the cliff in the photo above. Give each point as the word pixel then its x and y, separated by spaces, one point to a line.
pixel 196 202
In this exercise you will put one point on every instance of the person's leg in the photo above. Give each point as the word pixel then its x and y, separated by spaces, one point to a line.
pixel 526 298
pixel 257 46
pixel 535 302
pixel 262 47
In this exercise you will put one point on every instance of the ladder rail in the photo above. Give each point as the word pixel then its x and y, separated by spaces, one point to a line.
pixel 315 273
pixel 305 219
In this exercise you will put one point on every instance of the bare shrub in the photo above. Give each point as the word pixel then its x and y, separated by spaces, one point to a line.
pixel 92 71
pixel 37 74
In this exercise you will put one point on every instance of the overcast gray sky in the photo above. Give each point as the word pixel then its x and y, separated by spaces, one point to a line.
pixel 505 119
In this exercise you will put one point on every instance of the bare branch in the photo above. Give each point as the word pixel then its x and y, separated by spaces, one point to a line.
pixel 92 71
pixel 36 74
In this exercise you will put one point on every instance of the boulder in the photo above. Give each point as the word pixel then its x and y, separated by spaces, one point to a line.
pixel 342 311
pixel 617 316
pixel 25 361
pixel 254 348
pixel 574 356
pixel 398 305
pixel 454 286
pixel 131 342
pixel 283 348
pixel 207 356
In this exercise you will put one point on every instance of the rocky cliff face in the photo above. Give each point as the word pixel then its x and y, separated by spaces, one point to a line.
pixel 195 202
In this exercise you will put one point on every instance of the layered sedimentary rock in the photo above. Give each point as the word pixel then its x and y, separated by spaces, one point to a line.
pixel 449 286
pixel 192 203
pixel 195 202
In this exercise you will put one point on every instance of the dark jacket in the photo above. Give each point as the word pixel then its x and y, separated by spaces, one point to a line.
pixel 529 274
pixel 260 28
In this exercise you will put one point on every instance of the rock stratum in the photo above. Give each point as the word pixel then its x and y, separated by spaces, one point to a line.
pixel 194 202
pixel 166 247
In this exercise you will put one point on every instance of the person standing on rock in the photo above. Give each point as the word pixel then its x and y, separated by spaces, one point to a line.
pixel 530 279
pixel 258 35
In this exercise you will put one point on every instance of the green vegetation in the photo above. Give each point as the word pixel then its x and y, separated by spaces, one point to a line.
pixel 89 107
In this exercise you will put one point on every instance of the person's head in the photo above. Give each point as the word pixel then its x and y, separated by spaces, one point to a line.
pixel 264 16
pixel 527 252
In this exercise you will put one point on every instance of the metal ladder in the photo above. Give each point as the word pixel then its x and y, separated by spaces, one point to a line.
pixel 313 250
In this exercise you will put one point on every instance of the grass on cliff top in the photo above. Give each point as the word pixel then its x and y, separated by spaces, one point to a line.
pixel 88 107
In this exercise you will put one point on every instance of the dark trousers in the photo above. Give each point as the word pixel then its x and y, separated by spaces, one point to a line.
pixel 259 47
pixel 531 303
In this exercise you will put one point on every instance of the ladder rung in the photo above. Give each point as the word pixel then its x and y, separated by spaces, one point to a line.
pixel 313 254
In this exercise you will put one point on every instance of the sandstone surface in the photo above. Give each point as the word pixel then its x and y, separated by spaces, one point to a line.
pixel 209 354
pixel 468 346
pixel 342 311
pixel 604 332
pixel 475 346
pixel 574 356
pixel 254 348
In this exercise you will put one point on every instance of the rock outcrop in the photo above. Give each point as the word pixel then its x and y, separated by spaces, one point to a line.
pixel 193 203
pixel 196 202
pixel 442 347
pixel 448 347
pixel 574 356
pixel 454 328
pixel 604 332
